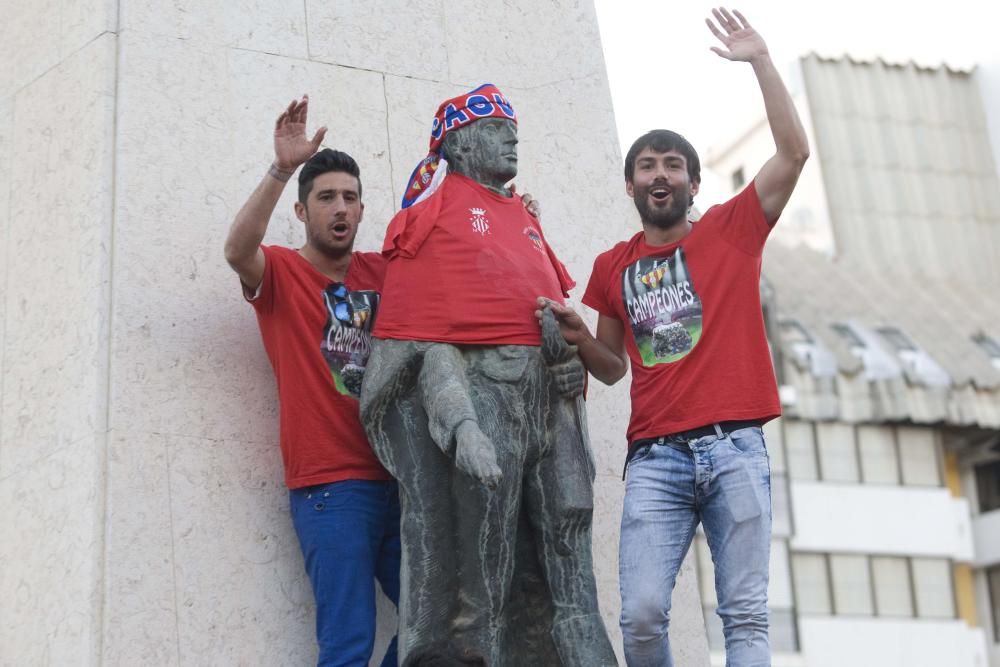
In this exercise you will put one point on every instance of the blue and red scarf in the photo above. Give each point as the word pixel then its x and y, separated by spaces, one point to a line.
pixel 486 101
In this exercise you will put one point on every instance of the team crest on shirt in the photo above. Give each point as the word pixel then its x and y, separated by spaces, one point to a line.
pixel 480 223
pixel 536 238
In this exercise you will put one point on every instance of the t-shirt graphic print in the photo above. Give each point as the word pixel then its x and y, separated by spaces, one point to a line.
pixel 663 308
pixel 346 344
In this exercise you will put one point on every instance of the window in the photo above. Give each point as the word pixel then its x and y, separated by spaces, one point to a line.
pixel 918 456
pixel 988 486
pixel 932 588
pixel 897 339
pixel 837 454
pixel 812 584
pixel 893 593
pixel 877 447
pixel 993 583
pixel 781 515
pixel 781 613
pixel 847 333
pixel 738 179
pixel 775 445
pixel 852 585
pixel 883 586
pixel 990 346
pixel 801 450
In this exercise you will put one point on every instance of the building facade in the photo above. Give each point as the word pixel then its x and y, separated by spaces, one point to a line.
pixel 882 297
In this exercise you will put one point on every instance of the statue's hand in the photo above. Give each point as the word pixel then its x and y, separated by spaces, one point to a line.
pixel 475 455
pixel 569 377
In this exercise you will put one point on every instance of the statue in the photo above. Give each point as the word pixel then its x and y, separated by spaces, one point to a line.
pixel 478 414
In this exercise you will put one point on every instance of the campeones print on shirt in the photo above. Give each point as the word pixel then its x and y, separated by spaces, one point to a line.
pixel 663 308
pixel 347 336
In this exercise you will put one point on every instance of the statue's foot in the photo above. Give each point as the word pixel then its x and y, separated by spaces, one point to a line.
pixel 475 454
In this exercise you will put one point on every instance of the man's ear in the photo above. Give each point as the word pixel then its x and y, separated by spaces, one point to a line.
pixel 629 190
pixel 300 211
pixel 695 186
pixel 362 216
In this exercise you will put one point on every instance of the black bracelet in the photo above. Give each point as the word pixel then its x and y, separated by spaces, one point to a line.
pixel 279 174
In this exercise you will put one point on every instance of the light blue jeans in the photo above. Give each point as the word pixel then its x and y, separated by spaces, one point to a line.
pixel 724 482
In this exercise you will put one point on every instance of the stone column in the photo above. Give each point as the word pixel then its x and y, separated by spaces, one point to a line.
pixel 143 515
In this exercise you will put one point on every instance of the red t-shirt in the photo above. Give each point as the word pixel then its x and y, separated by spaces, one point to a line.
pixel 317 336
pixel 694 329
pixel 466 266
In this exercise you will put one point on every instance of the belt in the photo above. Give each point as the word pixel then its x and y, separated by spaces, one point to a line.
pixel 719 429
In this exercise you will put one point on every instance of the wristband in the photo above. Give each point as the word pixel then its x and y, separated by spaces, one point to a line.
pixel 279 174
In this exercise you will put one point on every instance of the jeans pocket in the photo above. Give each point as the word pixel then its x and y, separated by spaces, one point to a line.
pixel 741 495
pixel 747 441
pixel 641 452
pixel 326 497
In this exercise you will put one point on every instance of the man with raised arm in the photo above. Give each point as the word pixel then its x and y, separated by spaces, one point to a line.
pixel 680 302
pixel 316 306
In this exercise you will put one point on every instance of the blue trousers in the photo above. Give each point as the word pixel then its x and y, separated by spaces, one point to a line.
pixel 349 535
pixel 725 483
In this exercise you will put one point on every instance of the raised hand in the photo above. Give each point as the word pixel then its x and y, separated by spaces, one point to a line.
pixel 530 203
pixel 741 41
pixel 291 146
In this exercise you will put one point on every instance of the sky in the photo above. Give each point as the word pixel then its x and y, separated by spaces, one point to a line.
pixel 662 73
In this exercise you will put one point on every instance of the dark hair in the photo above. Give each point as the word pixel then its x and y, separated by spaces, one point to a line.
pixel 662 141
pixel 444 654
pixel 322 162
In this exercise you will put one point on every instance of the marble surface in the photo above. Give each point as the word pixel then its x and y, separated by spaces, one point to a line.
pixel 393 36
pixel 526 43
pixel 174 213
pixel 39 35
pixel 6 140
pixel 58 259
pixel 141 328
pixel 266 26
pixel 51 557
pixel 140 605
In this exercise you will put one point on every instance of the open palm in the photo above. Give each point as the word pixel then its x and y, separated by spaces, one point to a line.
pixel 291 146
pixel 741 41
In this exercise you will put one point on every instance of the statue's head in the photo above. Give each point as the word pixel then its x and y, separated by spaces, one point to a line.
pixel 476 133
pixel 485 151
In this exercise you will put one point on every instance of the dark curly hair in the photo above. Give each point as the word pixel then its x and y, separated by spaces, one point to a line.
pixel 322 162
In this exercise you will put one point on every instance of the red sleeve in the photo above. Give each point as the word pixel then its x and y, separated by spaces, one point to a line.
pixel 263 300
pixel 409 228
pixel 374 265
pixel 740 221
pixel 596 295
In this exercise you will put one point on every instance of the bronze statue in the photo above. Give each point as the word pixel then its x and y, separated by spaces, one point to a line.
pixel 479 415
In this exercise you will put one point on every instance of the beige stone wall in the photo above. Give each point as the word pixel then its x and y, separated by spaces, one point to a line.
pixel 142 510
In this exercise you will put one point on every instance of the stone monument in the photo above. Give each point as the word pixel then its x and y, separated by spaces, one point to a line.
pixel 488 440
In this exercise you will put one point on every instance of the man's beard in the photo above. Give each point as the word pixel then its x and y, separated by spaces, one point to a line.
pixel 663 218
pixel 319 243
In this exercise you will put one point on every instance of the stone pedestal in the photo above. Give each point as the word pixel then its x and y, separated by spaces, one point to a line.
pixel 142 510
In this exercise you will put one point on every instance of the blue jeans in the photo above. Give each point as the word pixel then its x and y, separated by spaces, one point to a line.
pixel 724 482
pixel 349 534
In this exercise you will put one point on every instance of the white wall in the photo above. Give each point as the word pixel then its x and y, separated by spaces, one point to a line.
pixel 806 218
pixel 870 519
pixel 836 642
